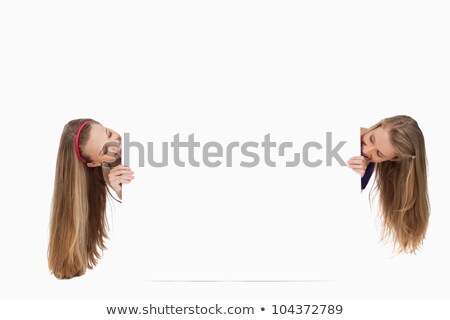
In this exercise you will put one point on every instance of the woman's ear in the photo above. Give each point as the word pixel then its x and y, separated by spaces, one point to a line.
pixel 395 159
pixel 93 164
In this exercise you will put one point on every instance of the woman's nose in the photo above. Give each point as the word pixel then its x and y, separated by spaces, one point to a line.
pixel 368 150
pixel 117 138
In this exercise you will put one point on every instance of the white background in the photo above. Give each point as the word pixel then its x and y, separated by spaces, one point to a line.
pixel 226 71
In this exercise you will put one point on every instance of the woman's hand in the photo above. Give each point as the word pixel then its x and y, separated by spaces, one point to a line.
pixel 119 175
pixel 358 164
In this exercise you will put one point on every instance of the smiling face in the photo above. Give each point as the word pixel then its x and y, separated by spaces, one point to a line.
pixel 376 146
pixel 99 143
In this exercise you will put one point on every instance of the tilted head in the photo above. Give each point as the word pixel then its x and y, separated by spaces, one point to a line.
pixel 393 139
pixel 93 143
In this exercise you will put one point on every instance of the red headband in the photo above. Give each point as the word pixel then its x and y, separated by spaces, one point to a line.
pixel 77 148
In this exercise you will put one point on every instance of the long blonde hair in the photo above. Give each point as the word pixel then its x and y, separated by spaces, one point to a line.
pixel 78 226
pixel 402 185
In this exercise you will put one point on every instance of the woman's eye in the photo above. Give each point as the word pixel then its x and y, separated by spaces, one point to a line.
pixel 109 134
pixel 379 154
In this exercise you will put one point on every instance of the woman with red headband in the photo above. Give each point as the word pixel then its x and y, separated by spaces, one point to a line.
pixel 88 164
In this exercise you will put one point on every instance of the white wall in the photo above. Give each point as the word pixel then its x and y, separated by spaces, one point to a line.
pixel 226 72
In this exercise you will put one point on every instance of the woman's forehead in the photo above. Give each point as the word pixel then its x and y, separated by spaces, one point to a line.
pixel 382 140
pixel 96 139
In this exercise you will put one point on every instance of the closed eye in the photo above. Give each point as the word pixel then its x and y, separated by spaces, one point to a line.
pixel 105 149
